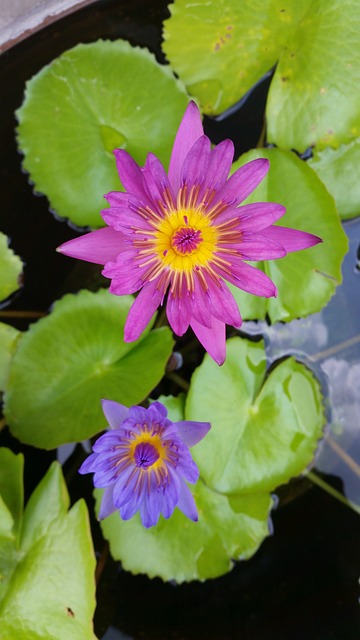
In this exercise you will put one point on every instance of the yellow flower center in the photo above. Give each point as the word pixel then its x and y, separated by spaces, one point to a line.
pixel 147 451
pixel 185 239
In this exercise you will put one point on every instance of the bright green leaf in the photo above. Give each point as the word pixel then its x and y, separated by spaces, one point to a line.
pixel 179 549
pixel 265 428
pixel 8 340
pixel 67 362
pixel 48 588
pixel 233 43
pixel 11 487
pixel 313 98
pixel 10 269
pixel 339 171
pixel 306 279
pixel 92 99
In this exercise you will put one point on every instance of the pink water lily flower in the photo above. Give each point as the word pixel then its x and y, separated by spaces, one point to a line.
pixel 183 234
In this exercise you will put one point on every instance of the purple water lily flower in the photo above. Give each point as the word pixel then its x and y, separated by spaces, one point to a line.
pixel 184 234
pixel 143 462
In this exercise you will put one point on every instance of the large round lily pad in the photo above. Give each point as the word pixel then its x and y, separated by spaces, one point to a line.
pixel 78 109
pixel 265 426
pixel 67 362
pixel 305 279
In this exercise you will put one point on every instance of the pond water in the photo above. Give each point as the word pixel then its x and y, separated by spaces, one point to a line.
pixel 303 582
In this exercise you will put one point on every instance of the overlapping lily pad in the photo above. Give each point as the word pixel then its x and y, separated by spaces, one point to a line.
pixel 339 171
pixel 8 339
pixel 10 269
pixel 265 426
pixel 71 359
pixel 45 537
pixel 315 45
pixel 92 99
pixel 306 279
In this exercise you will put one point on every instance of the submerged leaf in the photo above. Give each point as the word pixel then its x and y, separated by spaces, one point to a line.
pixel 92 99
pixel 67 362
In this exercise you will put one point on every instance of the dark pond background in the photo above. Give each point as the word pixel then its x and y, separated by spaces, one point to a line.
pixel 304 580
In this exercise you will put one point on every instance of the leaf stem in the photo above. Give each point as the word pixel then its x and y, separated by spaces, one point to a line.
pixel 178 380
pixel 352 464
pixel 336 348
pixel 331 491
pixel 22 314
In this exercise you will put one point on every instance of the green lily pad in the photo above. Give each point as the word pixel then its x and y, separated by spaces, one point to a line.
pixel 312 100
pixel 10 269
pixel 67 362
pixel 229 528
pixel 339 171
pixel 92 99
pixel 234 44
pixel 33 603
pixel 306 279
pixel 265 426
pixel 8 340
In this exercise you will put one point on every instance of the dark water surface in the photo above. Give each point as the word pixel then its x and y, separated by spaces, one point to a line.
pixel 303 582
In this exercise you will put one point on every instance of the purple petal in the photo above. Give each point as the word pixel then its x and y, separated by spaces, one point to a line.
pixel 89 465
pixel 186 503
pixel 142 310
pixel 291 239
pixel 249 278
pixel 223 304
pixel 252 217
pixel 255 247
pixel 156 181
pixel 244 181
pixel 130 173
pixel 178 311
pixel 160 408
pixel 107 506
pixel 192 432
pixel 219 166
pixel 189 131
pixel 115 413
pixel 212 339
pixel 200 303
pixel 195 165
pixel 125 220
pixel 99 246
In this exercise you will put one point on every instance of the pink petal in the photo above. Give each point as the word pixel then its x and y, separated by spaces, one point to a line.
pixel 248 278
pixel 291 239
pixel 189 131
pixel 244 181
pixel 156 180
pixel 212 339
pixel 186 503
pixel 115 413
pixel 178 311
pixel 130 173
pixel 254 247
pixel 192 432
pixel 142 310
pixel 200 304
pixel 99 246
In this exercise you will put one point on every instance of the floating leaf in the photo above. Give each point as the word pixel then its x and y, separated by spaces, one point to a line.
pixel 8 340
pixel 67 362
pixel 10 269
pixel 339 171
pixel 32 604
pixel 234 44
pixel 264 428
pixel 229 528
pixel 312 100
pixel 306 279
pixel 92 99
